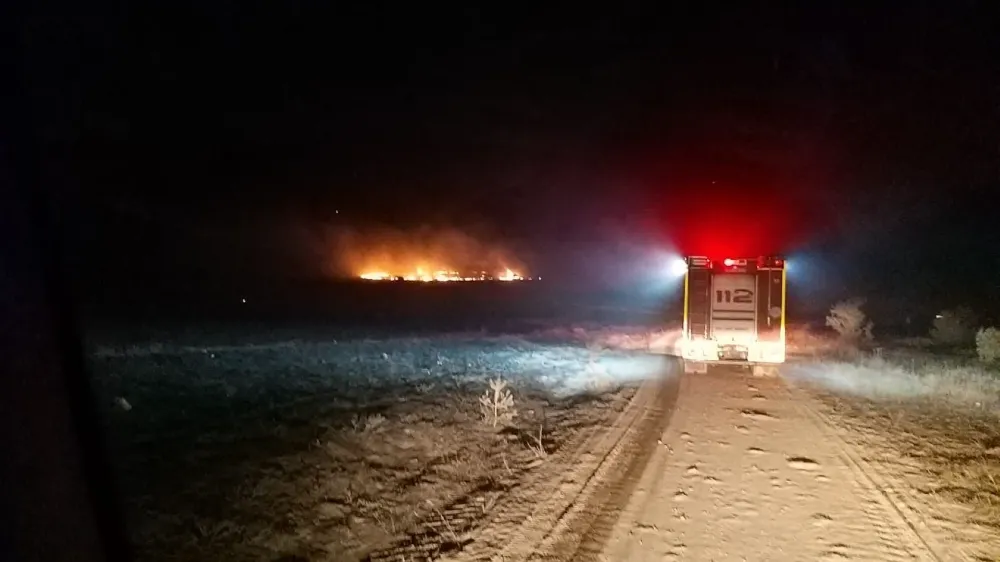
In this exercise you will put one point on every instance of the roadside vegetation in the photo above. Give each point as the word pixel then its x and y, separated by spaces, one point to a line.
pixel 931 402
pixel 378 449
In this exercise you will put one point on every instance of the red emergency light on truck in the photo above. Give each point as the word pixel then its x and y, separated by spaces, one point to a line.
pixel 734 313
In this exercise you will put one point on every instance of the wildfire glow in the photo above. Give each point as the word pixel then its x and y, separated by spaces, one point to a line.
pixel 441 275
pixel 424 254
pixel 509 275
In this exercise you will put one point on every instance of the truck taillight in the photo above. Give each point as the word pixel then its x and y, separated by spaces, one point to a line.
pixel 729 262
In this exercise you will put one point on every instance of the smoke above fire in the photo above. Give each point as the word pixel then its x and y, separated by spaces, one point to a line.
pixel 421 254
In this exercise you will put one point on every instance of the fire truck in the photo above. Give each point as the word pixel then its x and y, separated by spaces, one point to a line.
pixel 734 313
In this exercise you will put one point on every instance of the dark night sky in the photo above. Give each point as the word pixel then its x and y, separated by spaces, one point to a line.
pixel 224 136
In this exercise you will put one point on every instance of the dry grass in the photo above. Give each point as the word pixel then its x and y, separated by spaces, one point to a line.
pixel 804 342
pixel 341 450
pixel 957 450
pixel 907 375
pixel 930 422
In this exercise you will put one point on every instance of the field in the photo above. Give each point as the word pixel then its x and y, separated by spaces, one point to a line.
pixel 342 442
pixel 374 423
pixel 931 423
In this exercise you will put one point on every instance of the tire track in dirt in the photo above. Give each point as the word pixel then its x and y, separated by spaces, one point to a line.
pixel 745 473
pixel 867 477
pixel 894 538
pixel 584 501
pixel 588 523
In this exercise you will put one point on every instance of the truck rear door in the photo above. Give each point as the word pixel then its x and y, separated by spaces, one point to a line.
pixel 771 300
pixel 698 298
pixel 734 306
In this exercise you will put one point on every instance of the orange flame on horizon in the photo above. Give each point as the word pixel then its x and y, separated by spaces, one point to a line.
pixel 425 254
pixel 441 276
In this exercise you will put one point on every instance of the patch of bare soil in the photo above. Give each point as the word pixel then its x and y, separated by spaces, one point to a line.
pixel 944 459
pixel 364 450
pixel 748 470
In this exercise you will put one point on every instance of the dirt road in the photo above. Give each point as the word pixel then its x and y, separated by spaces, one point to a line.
pixel 748 470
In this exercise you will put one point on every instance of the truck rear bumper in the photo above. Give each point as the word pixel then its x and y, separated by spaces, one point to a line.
pixel 758 369
pixel 743 353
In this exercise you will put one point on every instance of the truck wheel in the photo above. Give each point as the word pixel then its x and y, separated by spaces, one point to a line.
pixel 695 367
pixel 765 371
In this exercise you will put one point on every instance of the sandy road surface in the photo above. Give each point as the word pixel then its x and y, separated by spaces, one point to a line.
pixel 746 470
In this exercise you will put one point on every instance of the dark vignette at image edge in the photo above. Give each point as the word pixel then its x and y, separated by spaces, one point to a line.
pixel 59 499
pixel 950 259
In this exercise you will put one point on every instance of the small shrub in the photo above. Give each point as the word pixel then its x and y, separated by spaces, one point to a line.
pixel 497 406
pixel 537 447
pixel 849 321
pixel 367 424
pixel 954 327
pixel 988 344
